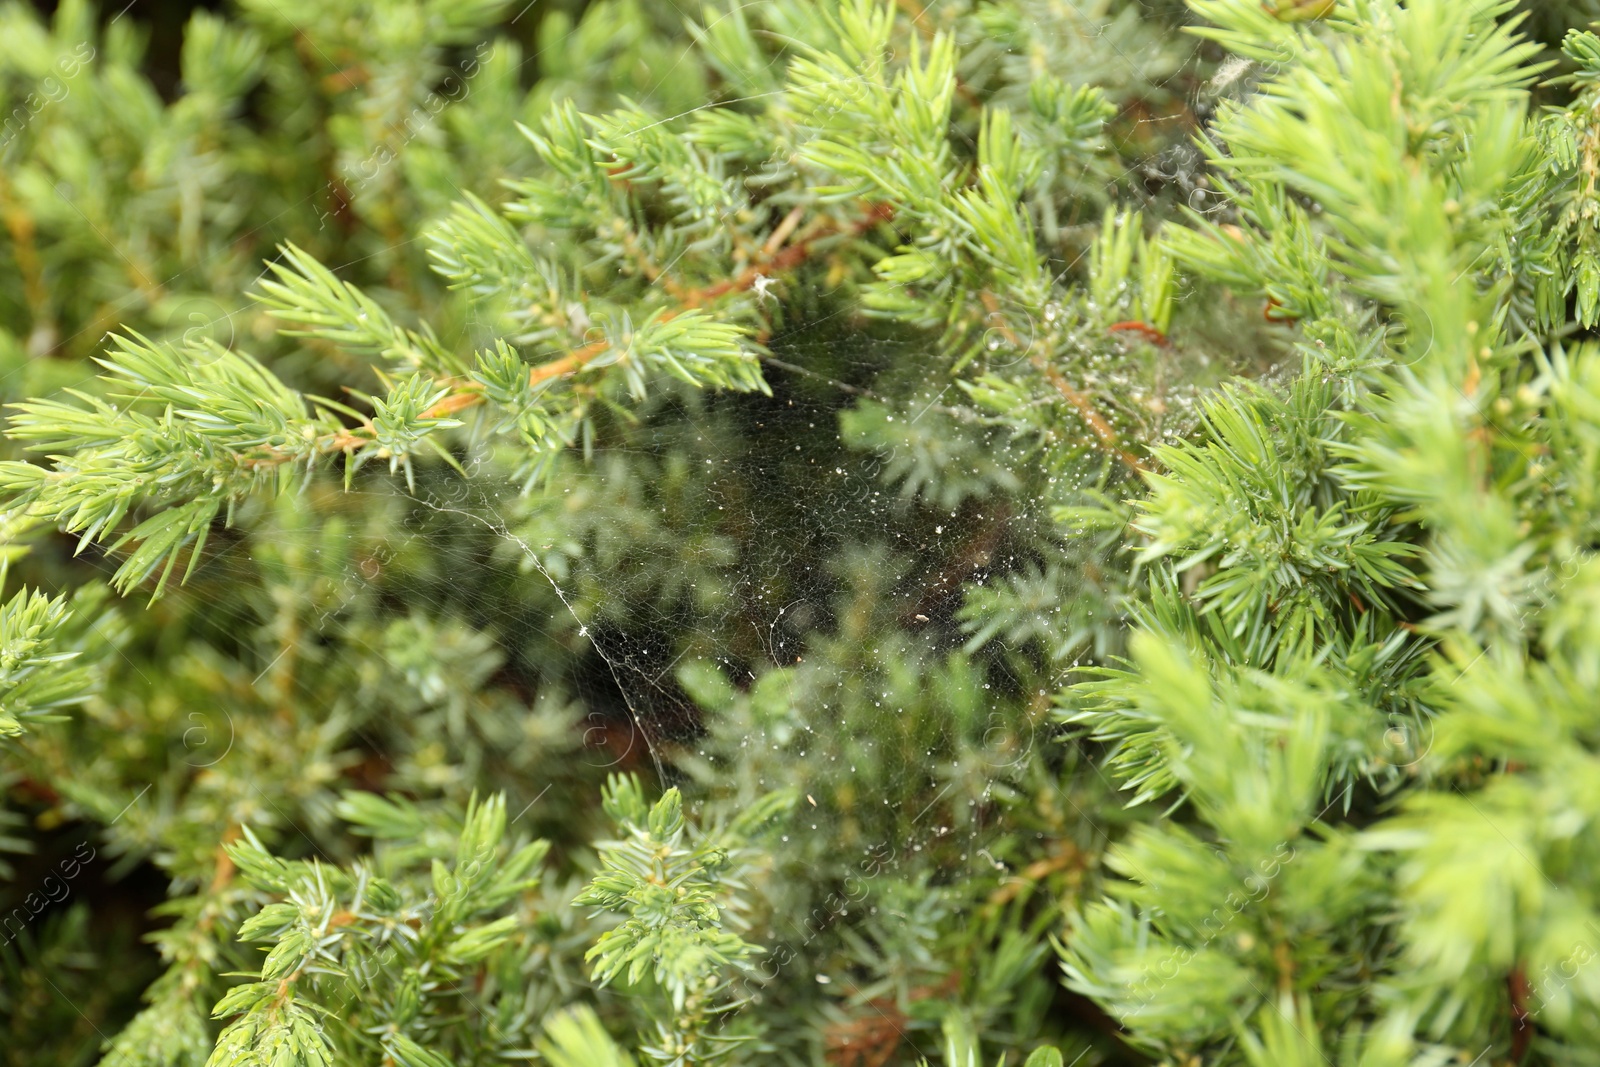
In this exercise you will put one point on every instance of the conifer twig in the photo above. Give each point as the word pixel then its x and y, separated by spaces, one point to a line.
pixel 1080 402
pixel 776 257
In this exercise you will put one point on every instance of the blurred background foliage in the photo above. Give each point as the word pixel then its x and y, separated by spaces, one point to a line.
pixel 862 587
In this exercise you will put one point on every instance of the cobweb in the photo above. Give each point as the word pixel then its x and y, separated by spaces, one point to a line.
pixel 731 533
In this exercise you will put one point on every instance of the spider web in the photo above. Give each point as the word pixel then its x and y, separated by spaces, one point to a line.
pixel 757 568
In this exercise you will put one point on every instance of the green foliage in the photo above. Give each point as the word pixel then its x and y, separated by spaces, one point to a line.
pixel 37 642
pixel 575 1038
pixel 1088 512
pixel 1354 570
pixel 376 955
pixel 673 890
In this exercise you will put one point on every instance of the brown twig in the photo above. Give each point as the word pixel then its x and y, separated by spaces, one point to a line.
pixel 349 78
pixel 1522 1029
pixel 775 258
pixel 917 13
pixel 26 252
pixel 870 1041
pixel 225 868
pixel 781 259
pixel 1275 312
pixel 1065 857
pixel 781 232
pixel 1080 403
pixel 568 364
pixel 458 401
pixel 470 395
pixel 339 441
pixel 1144 329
